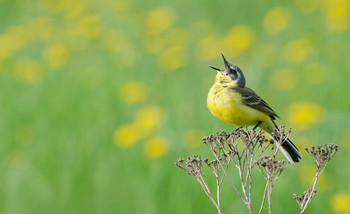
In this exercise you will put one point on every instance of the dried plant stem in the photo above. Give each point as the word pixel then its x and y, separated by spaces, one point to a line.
pixel 269 197
pixel 264 196
pixel 321 156
pixel 203 183
pixel 228 177
pixel 310 193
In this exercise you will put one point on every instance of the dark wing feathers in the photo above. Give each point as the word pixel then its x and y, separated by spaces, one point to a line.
pixel 251 99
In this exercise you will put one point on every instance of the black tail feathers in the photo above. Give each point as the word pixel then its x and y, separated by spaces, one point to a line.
pixel 292 150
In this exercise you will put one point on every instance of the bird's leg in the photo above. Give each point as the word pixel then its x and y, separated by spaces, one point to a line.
pixel 234 131
pixel 257 125
pixel 238 128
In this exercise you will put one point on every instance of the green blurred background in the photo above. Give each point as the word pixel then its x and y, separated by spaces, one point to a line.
pixel 99 98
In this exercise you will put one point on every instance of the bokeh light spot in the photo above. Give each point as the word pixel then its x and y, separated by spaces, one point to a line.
pixel 57 55
pixel 302 115
pixel 238 40
pixel 133 92
pixel 127 135
pixel 172 58
pixel 307 6
pixel 337 15
pixel 208 48
pixel 297 51
pixel 150 117
pixel 28 70
pixel 276 20
pixel 340 203
pixel 89 26
pixel 156 147
pixel 307 174
pixel 159 20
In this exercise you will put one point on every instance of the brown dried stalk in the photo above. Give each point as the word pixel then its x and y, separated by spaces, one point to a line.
pixel 321 156
pixel 271 169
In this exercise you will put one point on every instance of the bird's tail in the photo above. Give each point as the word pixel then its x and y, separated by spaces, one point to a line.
pixel 289 150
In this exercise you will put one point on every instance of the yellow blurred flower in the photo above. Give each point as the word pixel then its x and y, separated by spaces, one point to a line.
pixel 28 70
pixel 193 138
pixel 307 174
pixel 337 15
pixel 302 115
pixel 133 92
pixel 297 51
pixel 276 20
pixel 89 26
pixel 156 147
pixel 284 79
pixel 208 48
pixel 307 6
pixel 7 45
pixel 71 8
pixel 159 20
pixel 238 40
pixel 42 28
pixel 315 73
pixel 172 58
pixel 115 41
pixel 150 117
pixel 14 39
pixel 21 35
pixel 76 8
pixel 128 135
pixel 56 55
pixel 24 135
pixel 340 203
pixel 120 5
pixel 53 6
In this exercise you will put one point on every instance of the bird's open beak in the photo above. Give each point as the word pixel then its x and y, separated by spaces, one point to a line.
pixel 215 68
pixel 225 61
pixel 226 65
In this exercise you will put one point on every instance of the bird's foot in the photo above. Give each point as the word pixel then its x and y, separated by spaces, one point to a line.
pixel 257 125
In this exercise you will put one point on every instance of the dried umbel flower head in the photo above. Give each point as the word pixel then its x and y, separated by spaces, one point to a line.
pixel 270 167
pixel 322 155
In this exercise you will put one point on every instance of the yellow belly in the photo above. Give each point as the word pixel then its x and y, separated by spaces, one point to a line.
pixel 227 105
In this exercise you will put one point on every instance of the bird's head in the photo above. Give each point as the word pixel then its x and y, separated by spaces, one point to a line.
pixel 231 74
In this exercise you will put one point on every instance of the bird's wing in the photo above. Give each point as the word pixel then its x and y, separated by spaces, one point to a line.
pixel 251 99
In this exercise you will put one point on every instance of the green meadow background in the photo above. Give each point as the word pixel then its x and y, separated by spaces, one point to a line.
pixel 99 98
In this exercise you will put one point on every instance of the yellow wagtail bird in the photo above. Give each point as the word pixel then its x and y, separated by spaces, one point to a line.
pixel 230 100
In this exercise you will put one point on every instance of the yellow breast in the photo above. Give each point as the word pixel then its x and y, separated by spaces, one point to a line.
pixel 227 105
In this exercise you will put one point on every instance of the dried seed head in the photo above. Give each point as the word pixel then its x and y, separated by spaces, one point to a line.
pixel 206 160
pixel 180 159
